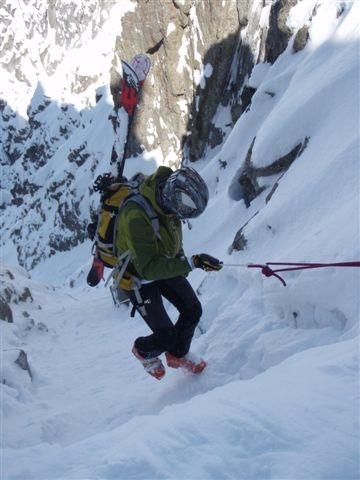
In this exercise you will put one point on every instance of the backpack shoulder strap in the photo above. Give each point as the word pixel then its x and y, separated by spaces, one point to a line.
pixel 149 210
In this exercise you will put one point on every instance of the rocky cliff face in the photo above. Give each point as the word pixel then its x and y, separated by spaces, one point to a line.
pixel 192 47
pixel 202 54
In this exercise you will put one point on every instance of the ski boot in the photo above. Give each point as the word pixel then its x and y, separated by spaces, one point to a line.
pixel 153 366
pixel 188 362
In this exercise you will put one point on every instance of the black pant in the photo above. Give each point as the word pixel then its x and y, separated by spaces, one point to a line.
pixel 166 336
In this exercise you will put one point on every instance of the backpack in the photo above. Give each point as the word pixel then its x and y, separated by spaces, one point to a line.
pixel 115 195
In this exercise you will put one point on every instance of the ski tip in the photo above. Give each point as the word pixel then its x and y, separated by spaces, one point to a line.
pixel 141 64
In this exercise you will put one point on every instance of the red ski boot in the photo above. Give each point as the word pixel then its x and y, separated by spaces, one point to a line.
pixel 189 362
pixel 153 366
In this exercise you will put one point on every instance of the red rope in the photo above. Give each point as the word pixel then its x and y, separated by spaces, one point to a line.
pixel 270 272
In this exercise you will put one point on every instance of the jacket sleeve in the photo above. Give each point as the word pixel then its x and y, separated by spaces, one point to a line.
pixel 146 255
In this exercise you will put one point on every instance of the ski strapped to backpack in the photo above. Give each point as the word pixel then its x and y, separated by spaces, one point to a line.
pixel 126 93
pixel 126 100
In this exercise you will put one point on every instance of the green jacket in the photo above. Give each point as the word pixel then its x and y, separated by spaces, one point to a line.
pixel 151 258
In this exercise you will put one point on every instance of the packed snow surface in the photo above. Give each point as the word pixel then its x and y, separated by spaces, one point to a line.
pixel 280 396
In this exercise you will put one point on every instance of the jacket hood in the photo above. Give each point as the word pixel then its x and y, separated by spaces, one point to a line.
pixel 149 186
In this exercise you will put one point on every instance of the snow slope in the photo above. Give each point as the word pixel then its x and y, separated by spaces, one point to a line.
pixel 280 396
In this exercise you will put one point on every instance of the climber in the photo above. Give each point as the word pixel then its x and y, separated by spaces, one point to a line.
pixel 158 266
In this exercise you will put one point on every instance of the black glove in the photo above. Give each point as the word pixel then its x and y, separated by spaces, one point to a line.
pixel 206 262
